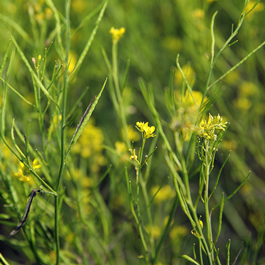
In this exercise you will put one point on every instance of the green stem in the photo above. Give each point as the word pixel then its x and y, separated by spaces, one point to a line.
pixel 57 210
pixel 115 73
pixel 206 198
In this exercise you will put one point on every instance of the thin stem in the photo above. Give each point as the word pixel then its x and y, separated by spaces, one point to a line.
pixel 115 73
pixel 67 22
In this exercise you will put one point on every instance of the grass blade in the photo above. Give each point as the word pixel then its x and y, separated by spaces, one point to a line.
pixel 24 59
pixel 89 42
pixel 85 119
pixel 186 257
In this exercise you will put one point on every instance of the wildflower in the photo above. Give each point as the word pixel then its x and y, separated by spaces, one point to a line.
pixel 198 13
pixel 208 129
pixel 258 8
pixel 165 193
pixel 178 232
pixel 154 230
pixel 72 61
pixel 232 78
pixel 242 103
pixel 121 150
pixel 116 34
pixel 172 43
pixel 188 111
pixel 78 5
pixel 146 131
pixel 120 147
pixel 189 74
pixel 132 134
pixel 24 173
pixel 247 89
pixel 134 156
pixel 35 164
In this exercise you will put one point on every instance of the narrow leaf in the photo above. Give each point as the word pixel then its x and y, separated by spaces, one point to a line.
pixel 85 118
pixel 15 91
pixel 4 59
pixel 89 42
pixel 24 59
pixel 189 259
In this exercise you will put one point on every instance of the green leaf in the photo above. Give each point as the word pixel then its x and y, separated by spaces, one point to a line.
pixel 189 259
pixel 89 42
pixel 84 119
pixel 24 59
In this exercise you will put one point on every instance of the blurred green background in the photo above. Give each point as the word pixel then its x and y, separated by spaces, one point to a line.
pixel 156 31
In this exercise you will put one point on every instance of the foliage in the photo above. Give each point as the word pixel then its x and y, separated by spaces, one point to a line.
pixel 148 166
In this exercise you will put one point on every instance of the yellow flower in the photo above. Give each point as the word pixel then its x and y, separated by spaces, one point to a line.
pixel 134 156
pixel 258 8
pixel 189 74
pixel 116 34
pixel 132 134
pixel 193 100
pixel 72 61
pixel 154 230
pixel 178 232
pixel 36 164
pixel 23 173
pixel 21 176
pixel 232 77
pixel 120 147
pixel 208 129
pixel 146 131
pixel 242 103
pixel 229 145
pixel 247 89
pixel 172 43
pixel 78 5
pixel 165 193
pixel 198 13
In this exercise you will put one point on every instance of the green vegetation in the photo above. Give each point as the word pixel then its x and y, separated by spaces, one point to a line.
pixel 137 129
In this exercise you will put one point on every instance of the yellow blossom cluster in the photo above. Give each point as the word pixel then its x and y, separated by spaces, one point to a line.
pixel 90 145
pixel 146 131
pixel 165 193
pixel 23 173
pixel 116 34
pixel 188 111
pixel 209 129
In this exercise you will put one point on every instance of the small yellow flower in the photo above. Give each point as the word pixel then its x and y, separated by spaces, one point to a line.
pixel 23 173
pixel 116 34
pixel 165 193
pixel 198 13
pixel 133 155
pixel 132 134
pixel 154 230
pixel 72 61
pixel 208 129
pixel 145 129
pixel 258 8
pixel 178 232
pixel 35 164
pixel 242 103
pixel 189 74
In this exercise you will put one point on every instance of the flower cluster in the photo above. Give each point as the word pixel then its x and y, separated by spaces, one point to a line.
pixel 209 129
pixel 134 156
pixel 24 173
pixel 116 34
pixel 146 131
